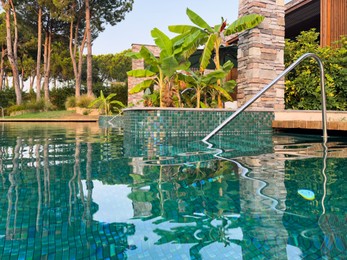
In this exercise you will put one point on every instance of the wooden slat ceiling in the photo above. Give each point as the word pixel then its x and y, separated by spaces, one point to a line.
pixel 303 18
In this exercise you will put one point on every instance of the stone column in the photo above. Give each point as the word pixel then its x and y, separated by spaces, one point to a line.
pixel 139 64
pixel 136 64
pixel 261 54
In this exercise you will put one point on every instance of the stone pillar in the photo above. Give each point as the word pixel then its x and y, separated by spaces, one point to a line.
pixel 136 64
pixel 139 64
pixel 261 54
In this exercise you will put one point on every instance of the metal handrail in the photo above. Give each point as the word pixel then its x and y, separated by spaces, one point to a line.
pixel 285 72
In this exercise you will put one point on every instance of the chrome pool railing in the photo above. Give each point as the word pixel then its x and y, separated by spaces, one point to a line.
pixel 261 92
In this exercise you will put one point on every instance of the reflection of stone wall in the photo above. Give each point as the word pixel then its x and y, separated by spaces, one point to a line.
pixel 270 237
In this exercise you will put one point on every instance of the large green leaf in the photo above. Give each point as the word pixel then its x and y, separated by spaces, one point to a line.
pixel 142 86
pixel 223 92
pixel 187 44
pixel 119 103
pixel 134 55
pixel 141 73
pixel 110 96
pixel 229 85
pixel 169 65
pixel 227 66
pixel 183 65
pixel 197 20
pixel 186 79
pixel 244 23
pixel 182 29
pixel 162 41
pixel 148 56
pixel 207 53
pixel 213 76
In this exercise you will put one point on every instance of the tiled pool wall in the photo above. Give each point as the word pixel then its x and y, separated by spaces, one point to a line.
pixel 189 122
pixel 158 132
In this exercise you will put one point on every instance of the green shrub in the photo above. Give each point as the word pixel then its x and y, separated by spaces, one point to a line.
pixel 121 89
pixel 14 108
pixel 58 96
pixel 86 112
pixel 35 105
pixel 302 85
pixel 49 106
pixel 70 102
pixel 7 97
pixel 84 101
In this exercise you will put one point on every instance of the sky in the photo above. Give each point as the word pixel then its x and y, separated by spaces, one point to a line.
pixel 148 14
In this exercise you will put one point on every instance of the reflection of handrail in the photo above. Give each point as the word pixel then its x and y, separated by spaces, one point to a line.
pixel 285 72
pixel 110 121
pixel 244 172
pixel 325 156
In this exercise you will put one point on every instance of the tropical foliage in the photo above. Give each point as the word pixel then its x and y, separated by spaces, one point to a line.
pixel 106 105
pixel 303 84
pixel 172 66
pixel 212 37
pixel 161 70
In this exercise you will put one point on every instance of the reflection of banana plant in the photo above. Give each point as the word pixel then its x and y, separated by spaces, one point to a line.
pixel 212 37
pixel 200 82
pixel 202 234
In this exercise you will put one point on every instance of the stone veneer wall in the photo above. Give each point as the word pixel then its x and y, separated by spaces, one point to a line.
pixel 261 54
pixel 139 64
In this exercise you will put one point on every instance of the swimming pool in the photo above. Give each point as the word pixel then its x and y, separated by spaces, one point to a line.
pixel 77 191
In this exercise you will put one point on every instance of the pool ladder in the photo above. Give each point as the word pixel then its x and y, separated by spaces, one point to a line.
pixel 261 92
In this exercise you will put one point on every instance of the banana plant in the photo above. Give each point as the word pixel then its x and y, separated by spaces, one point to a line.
pixel 212 37
pixel 200 82
pixel 105 103
pixel 160 70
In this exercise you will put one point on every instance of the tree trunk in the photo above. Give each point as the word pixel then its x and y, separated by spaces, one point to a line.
pixel 38 58
pixel 89 52
pixel 166 100
pixel 198 96
pixel 22 80
pixel 3 54
pixel 47 64
pixel 12 48
pixel 31 83
pixel 73 46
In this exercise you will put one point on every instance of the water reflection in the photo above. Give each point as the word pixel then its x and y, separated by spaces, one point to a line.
pixel 69 192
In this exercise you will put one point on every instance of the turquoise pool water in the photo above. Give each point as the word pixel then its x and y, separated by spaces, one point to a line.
pixel 80 192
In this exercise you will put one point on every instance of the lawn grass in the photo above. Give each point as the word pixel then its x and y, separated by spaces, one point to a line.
pixel 43 115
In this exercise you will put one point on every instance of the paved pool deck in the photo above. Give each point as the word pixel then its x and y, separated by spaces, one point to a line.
pixel 299 119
